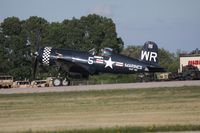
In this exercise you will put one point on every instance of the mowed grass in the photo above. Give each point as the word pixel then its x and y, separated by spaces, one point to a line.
pixel 102 111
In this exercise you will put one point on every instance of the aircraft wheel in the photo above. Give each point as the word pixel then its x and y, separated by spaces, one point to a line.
pixel 66 82
pixel 57 82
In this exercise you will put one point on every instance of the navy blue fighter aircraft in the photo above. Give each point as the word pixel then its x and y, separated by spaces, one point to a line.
pixel 85 63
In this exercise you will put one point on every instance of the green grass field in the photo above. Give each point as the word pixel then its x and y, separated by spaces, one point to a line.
pixel 115 111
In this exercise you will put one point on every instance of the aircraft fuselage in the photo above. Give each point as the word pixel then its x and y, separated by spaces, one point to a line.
pixel 93 63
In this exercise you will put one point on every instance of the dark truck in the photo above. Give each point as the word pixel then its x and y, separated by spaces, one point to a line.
pixel 189 72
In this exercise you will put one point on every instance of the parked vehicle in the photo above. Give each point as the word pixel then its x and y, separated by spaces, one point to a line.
pixel 189 72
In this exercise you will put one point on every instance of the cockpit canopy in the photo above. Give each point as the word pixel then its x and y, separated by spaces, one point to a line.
pixel 103 52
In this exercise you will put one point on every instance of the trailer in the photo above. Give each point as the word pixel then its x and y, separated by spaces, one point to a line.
pixel 21 84
pixel 6 81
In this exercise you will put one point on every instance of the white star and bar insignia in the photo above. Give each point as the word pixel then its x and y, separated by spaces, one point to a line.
pixel 109 63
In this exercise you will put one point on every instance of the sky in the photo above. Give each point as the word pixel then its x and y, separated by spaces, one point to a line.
pixel 172 24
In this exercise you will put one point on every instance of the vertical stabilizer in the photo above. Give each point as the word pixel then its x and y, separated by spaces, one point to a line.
pixel 149 52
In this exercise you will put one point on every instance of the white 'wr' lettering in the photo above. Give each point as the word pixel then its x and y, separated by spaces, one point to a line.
pixel 153 56
pixel 145 54
pixel 148 55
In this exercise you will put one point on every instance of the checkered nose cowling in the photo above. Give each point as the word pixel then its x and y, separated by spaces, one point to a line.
pixel 46 55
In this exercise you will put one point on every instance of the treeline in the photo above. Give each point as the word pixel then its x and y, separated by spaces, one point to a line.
pixel 19 40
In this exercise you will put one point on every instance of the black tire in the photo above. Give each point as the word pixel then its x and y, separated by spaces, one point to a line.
pixel 189 78
pixel 57 82
pixel 66 82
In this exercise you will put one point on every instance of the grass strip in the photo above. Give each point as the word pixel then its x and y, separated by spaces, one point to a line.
pixel 127 111
pixel 129 129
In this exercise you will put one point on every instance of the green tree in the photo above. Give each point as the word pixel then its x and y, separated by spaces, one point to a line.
pixel 168 60
pixel 132 51
pixel 100 32
pixel 72 34
pixel 11 26
pixel 3 63
pixel 92 31
pixel 36 29
pixel 55 36
pixel 12 44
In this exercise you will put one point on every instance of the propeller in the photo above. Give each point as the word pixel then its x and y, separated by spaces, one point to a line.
pixel 35 63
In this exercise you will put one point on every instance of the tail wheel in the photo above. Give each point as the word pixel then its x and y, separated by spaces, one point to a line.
pixel 57 82
pixel 66 82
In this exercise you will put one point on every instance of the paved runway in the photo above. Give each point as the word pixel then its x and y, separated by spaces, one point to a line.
pixel 102 87
pixel 181 132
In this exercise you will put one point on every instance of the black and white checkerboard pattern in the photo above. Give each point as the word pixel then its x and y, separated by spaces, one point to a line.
pixel 46 55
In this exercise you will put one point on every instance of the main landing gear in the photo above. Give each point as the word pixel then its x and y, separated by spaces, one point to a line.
pixel 61 81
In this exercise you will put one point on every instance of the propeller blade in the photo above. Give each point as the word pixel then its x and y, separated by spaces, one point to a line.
pixel 37 40
pixel 35 67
